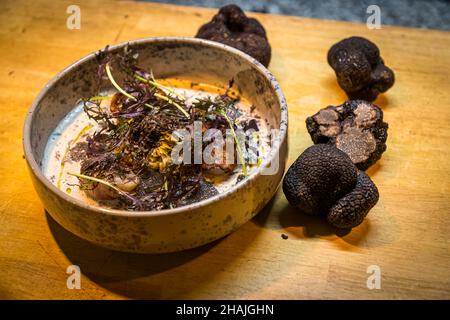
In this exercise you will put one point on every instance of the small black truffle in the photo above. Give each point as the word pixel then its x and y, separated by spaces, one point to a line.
pixel 359 69
pixel 323 181
pixel 355 127
pixel 205 191
pixel 232 27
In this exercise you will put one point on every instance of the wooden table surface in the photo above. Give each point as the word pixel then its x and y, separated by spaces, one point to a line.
pixel 407 234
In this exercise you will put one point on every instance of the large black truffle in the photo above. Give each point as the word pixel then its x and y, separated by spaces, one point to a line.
pixel 351 209
pixel 232 27
pixel 323 181
pixel 359 69
pixel 355 127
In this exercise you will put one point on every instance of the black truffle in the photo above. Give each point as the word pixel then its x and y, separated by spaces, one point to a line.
pixel 232 27
pixel 355 127
pixel 359 69
pixel 206 190
pixel 321 175
pixel 350 210
pixel 323 181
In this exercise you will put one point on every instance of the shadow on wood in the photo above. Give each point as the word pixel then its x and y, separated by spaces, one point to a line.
pixel 149 276
pixel 301 225
pixel 308 226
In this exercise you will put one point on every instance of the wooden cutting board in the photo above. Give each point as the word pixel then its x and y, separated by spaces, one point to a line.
pixel 407 234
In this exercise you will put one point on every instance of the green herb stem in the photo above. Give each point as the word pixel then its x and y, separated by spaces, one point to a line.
pixel 238 146
pixel 97 98
pixel 159 86
pixel 106 183
pixel 108 72
pixel 173 103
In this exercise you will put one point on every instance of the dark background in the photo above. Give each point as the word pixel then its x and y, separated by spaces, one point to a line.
pixel 432 14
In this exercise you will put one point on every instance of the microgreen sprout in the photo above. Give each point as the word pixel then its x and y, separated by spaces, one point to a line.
pixel 99 98
pixel 173 103
pixel 114 83
pixel 236 140
pixel 160 86
pixel 106 183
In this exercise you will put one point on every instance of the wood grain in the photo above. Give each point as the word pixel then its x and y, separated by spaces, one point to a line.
pixel 406 234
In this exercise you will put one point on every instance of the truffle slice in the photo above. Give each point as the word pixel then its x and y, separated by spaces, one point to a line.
pixel 232 27
pixel 359 69
pixel 355 127
pixel 205 191
pixel 323 181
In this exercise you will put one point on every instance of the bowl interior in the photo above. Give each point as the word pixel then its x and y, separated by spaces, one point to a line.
pixel 186 58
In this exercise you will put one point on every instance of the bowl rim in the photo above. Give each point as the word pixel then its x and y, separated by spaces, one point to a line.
pixel 37 171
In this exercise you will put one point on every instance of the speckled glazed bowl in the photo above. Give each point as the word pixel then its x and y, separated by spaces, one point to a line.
pixel 173 229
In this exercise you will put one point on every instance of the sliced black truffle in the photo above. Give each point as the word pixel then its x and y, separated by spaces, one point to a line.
pixel 323 181
pixel 359 69
pixel 205 191
pixel 355 127
pixel 232 27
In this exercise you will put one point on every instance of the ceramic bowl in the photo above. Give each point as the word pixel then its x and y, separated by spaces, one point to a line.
pixel 173 229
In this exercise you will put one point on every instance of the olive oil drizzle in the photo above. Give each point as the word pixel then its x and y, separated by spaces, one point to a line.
pixel 71 143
